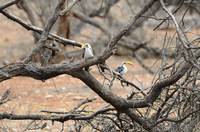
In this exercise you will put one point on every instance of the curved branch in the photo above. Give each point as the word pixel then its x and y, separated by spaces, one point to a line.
pixel 135 22
pixel 10 3
pixel 158 88
pixel 39 30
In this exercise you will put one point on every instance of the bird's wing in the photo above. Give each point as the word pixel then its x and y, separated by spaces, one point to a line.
pixel 83 54
pixel 119 69
pixel 92 51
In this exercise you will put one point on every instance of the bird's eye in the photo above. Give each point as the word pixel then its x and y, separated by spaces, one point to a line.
pixel 53 45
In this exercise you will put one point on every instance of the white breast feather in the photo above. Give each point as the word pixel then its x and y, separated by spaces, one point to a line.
pixel 125 70
pixel 88 53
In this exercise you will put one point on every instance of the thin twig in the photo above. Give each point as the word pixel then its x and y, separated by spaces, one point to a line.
pixel 10 3
pixel 69 7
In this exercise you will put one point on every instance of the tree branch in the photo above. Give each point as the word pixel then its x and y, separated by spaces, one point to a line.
pixel 133 24
pixel 39 30
pixel 10 3
pixel 53 117
pixel 92 22
pixel 68 8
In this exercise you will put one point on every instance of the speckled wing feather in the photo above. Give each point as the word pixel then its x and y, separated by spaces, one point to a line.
pixel 119 69
pixel 83 53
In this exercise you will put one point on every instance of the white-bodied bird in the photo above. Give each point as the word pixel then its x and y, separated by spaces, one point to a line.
pixel 88 52
pixel 122 69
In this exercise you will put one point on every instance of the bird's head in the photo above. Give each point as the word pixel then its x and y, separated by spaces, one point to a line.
pixel 85 45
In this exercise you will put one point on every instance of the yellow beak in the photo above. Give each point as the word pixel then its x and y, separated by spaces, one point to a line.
pixel 83 45
pixel 128 62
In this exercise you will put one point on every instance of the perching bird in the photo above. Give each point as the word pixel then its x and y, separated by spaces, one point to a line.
pixel 87 53
pixel 122 69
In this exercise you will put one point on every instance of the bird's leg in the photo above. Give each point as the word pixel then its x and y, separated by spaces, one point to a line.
pixel 131 95
pixel 102 66
pixel 122 81
pixel 87 68
pixel 111 82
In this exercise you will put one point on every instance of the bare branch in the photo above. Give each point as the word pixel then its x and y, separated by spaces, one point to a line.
pixel 184 40
pixel 44 36
pixel 159 86
pixel 51 22
pixel 39 30
pixel 53 117
pixel 92 22
pixel 69 7
pixel 10 3
pixel 132 25
pixel 33 17
pixel 74 109
pixel 5 97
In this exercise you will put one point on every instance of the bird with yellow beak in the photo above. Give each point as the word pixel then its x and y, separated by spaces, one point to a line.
pixel 122 69
pixel 88 52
